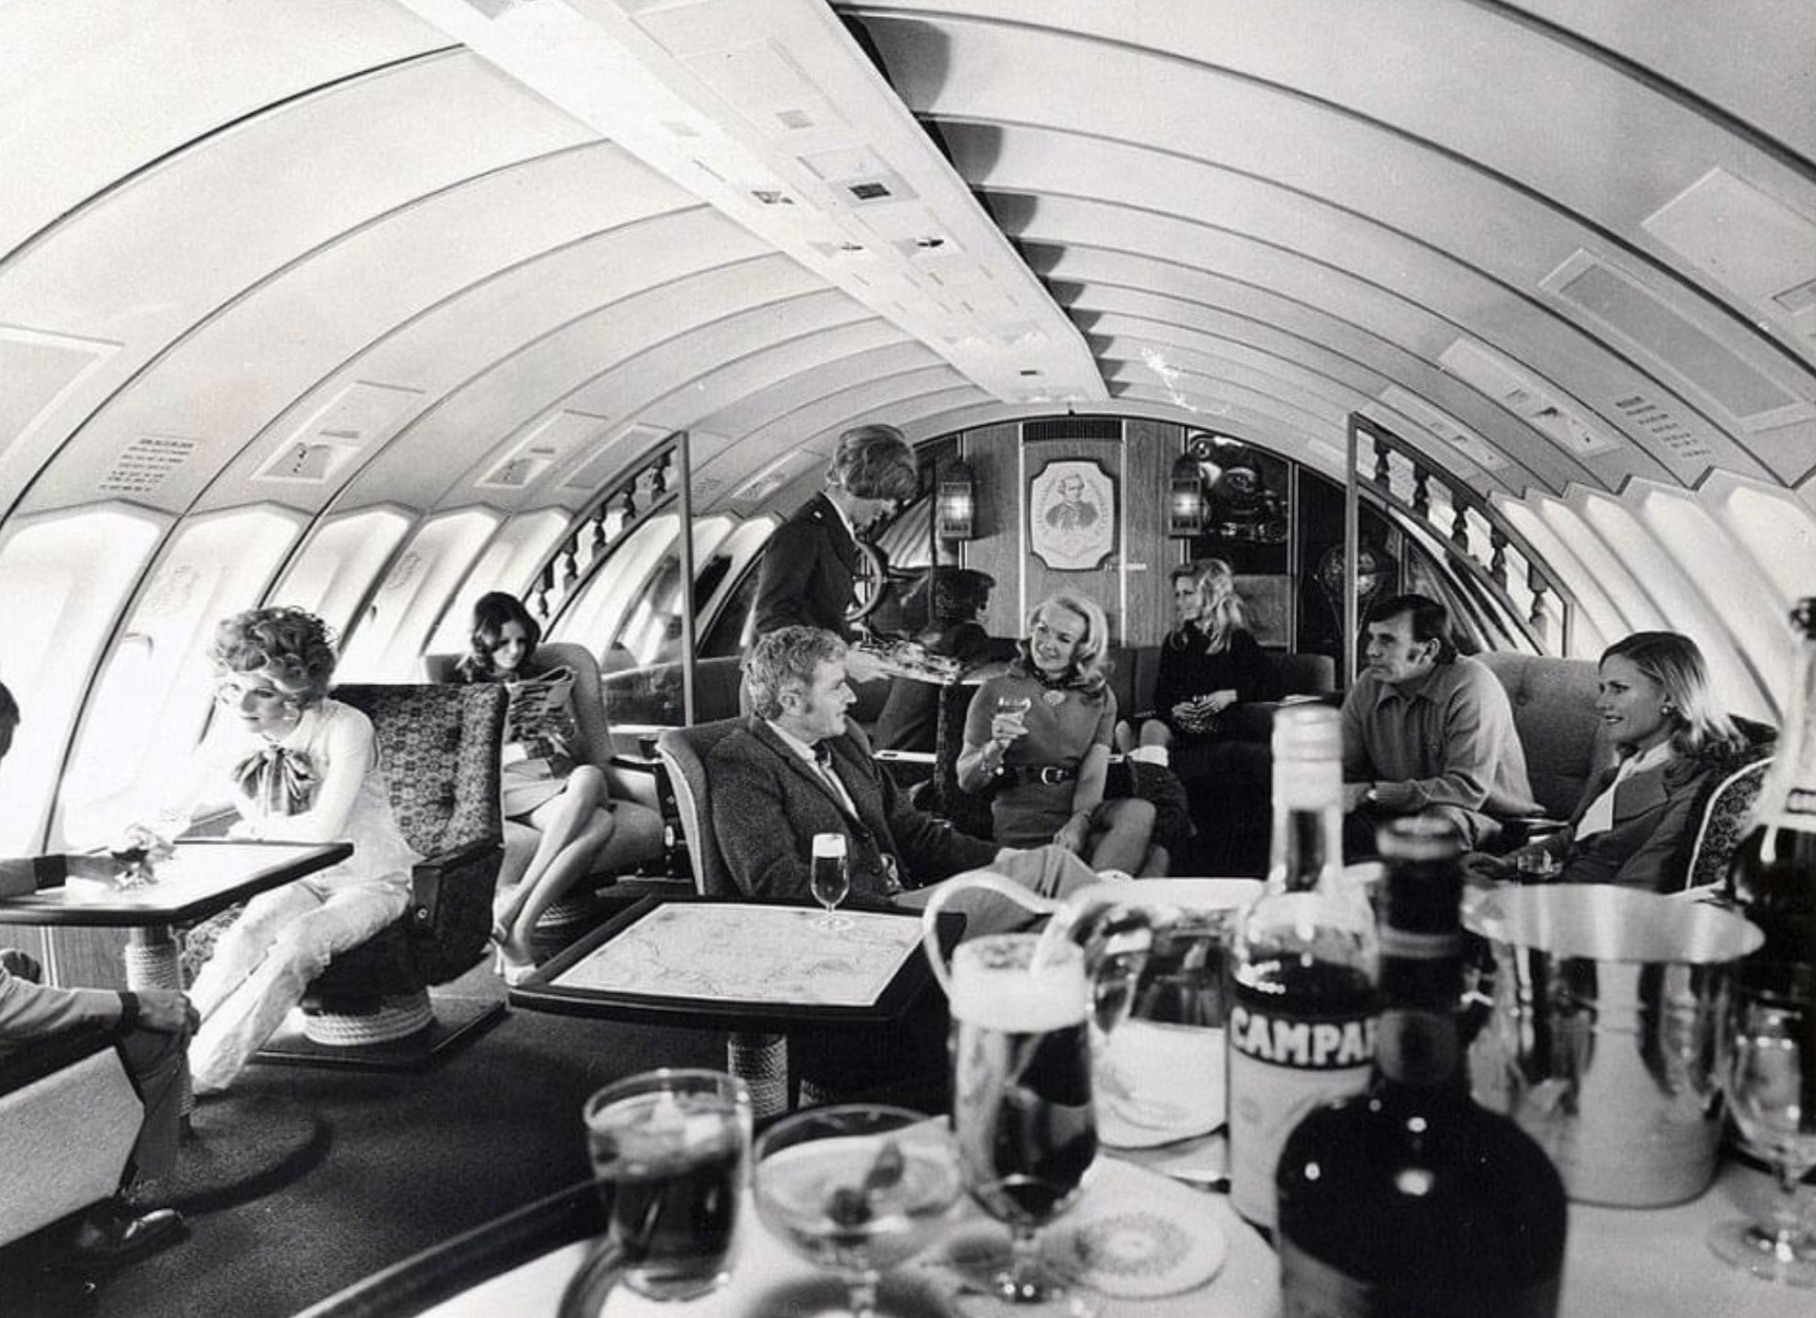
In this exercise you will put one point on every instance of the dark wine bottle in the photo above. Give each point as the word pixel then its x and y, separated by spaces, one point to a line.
pixel 1302 966
pixel 1409 1198
pixel 1773 873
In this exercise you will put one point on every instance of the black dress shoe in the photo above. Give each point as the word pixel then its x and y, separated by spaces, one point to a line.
pixel 112 1235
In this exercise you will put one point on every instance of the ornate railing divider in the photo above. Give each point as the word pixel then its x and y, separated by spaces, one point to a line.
pixel 621 508
pixel 1511 567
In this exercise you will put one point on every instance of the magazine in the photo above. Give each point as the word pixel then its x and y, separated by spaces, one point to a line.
pixel 539 724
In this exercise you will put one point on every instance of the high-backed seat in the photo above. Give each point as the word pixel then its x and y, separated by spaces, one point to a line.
pixel 1554 713
pixel 684 752
pixel 440 748
pixel 595 732
pixel 760 1060
pixel 1722 820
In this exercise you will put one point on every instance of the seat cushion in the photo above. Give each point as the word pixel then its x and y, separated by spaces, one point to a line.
pixel 1554 713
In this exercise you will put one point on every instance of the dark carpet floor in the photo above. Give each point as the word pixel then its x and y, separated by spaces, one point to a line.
pixel 378 1167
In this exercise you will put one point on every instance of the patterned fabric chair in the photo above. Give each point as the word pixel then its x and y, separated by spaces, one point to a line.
pixel 1723 819
pixel 440 748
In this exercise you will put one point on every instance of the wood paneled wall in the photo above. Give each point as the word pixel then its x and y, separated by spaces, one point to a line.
pixel 1132 585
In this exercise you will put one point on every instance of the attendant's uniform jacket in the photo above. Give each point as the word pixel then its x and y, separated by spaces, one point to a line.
pixel 809 572
pixel 767 803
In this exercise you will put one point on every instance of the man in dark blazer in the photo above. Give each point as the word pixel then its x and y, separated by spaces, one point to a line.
pixel 810 565
pixel 801 768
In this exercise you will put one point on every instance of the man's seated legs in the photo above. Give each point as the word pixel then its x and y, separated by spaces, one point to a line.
pixel 1049 872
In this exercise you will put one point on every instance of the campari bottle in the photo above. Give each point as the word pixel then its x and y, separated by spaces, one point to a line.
pixel 1773 874
pixel 1302 995
pixel 1409 1198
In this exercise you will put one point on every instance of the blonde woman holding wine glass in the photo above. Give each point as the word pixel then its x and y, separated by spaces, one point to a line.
pixel 1040 734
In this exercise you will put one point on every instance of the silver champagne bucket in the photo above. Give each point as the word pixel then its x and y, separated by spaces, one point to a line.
pixel 1602 1037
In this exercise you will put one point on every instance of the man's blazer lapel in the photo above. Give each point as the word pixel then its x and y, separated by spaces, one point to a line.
pixel 842 543
pixel 793 763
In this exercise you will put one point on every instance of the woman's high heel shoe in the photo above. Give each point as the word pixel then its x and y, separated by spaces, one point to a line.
pixel 508 966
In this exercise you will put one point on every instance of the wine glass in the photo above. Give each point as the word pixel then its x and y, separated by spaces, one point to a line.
pixel 859 1188
pixel 1022 1110
pixel 668 1149
pixel 830 878
pixel 1014 708
pixel 1768 1071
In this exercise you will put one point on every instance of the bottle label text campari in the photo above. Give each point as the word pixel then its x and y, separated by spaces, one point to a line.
pixel 1302 1009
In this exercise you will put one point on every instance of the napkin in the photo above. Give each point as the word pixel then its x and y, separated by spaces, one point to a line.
pixel 1159 1083
pixel 1132 1235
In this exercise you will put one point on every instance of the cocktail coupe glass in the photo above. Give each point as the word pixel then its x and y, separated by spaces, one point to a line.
pixel 830 878
pixel 1768 1070
pixel 669 1149
pixel 859 1188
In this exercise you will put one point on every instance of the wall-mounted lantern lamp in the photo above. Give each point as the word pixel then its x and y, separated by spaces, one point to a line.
pixel 956 502
pixel 1185 514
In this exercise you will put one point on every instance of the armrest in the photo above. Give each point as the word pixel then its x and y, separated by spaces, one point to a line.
pixel 34 1061
pixel 1524 831
pixel 635 778
pixel 449 917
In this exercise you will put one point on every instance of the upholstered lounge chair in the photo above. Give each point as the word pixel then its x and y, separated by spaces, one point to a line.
pixel 760 1060
pixel 579 907
pixel 68 1120
pixel 440 748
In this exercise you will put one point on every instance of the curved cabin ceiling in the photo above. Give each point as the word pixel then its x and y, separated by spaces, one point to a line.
pixel 432 255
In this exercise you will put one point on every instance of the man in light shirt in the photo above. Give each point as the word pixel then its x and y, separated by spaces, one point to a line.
pixel 1428 731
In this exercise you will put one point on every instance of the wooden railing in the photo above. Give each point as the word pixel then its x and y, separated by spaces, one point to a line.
pixel 622 507
pixel 1474 538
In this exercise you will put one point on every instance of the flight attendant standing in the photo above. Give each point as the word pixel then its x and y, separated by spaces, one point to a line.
pixel 809 572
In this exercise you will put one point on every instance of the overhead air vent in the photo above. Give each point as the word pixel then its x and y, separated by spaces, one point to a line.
pixel 612 456
pixel 40 370
pixel 542 446
pixel 146 463
pixel 1072 427
pixel 358 417
pixel 1646 322
pixel 774 477
pixel 1776 257
pixel 1525 397
pixel 1444 426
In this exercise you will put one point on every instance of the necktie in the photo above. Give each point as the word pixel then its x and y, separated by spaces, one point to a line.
pixel 822 760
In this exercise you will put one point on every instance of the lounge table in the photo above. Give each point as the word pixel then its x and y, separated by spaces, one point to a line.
pixel 204 876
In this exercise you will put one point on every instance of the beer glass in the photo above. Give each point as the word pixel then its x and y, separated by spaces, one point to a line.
pixel 669 1150
pixel 1021 1106
pixel 830 878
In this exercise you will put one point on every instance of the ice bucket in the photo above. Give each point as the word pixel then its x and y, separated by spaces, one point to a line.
pixel 1602 1037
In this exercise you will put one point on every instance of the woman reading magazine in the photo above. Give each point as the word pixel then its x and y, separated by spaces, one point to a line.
pixel 547 784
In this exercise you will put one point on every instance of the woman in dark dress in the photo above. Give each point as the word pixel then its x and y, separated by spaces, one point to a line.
pixel 1207 663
